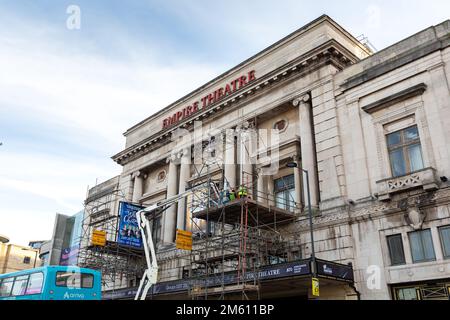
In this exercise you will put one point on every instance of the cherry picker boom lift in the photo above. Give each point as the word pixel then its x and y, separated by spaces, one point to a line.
pixel 150 275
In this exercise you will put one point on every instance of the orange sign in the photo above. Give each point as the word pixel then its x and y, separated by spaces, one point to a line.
pixel 184 240
pixel 98 238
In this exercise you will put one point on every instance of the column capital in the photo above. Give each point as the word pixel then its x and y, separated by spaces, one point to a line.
pixel 171 159
pixel 301 99
pixel 137 174
pixel 295 156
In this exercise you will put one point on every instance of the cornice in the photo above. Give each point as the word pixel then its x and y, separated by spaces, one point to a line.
pixel 330 52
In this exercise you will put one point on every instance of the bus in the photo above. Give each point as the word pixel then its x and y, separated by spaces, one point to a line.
pixel 51 283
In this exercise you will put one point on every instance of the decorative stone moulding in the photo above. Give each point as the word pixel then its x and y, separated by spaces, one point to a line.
pixel 425 178
pixel 161 176
pixel 281 125
pixel 415 217
pixel 394 98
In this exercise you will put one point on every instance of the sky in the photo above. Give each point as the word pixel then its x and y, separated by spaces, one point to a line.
pixel 67 95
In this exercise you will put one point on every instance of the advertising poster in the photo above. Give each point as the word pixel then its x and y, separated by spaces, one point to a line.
pixel 69 256
pixel 129 233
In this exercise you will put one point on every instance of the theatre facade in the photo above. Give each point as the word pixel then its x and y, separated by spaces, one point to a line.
pixel 371 131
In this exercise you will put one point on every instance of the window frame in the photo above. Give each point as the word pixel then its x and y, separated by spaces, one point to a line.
pixel 398 289
pixel 286 191
pixel 14 285
pixel 82 274
pixel 42 283
pixel 403 146
pixel 421 232
pixel 400 236
pixel 13 279
pixel 442 242
pixel 157 228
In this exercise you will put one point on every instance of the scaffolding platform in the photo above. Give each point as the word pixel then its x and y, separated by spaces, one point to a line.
pixel 218 258
pixel 264 214
pixel 118 249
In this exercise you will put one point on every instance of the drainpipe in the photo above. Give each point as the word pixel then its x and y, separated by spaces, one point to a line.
pixel 352 285
pixel 358 294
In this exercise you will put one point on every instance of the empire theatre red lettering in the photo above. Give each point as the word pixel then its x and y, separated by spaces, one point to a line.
pixel 210 99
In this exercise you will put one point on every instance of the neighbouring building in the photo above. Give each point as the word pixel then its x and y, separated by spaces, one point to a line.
pixel 36 244
pixel 371 129
pixel 16 258
pixel 63 248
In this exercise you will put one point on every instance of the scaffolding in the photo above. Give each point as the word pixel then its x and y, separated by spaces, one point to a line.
pixel 120 265
pixel 233 238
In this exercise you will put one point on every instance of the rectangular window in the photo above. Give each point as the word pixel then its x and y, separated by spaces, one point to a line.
pixel 445 240
pixel 35 283
pixel 407 294
pixel 20 286
pixel 156 229
pixel 285 193
pixel 421 243
pixel 74 279
pixel 6 287
pixel 26 260
pixel 405 151
pixel 396 252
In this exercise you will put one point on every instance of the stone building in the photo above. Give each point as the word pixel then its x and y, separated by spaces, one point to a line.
pixel 369 128
pixel 16 258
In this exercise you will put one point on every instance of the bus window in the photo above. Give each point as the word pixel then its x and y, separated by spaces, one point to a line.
pixel 35 283
pixel 20 286
pixel 6 287
pixel 87 280
pixel 74 280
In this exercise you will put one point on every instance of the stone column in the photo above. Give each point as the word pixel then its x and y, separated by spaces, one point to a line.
pixel 261 194
pixel 170 215
pixel 270 189
pixel 437 112
pixel 298 185
pixel 307 146
pixel 138 188
pixel 185 173
pixel 246 176
pixel 230 162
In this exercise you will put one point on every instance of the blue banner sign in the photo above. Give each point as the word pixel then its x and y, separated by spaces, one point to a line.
pixel 129 233
pixel 334 270
pixel 298 268
pixel 339 272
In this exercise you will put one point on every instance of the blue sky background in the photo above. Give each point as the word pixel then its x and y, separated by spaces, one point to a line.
pixel 66 96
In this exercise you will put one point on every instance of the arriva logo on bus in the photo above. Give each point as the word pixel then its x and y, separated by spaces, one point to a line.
pixel 209 99
pixel 68 295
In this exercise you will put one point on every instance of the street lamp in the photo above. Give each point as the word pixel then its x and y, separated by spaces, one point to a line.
pixel 294 164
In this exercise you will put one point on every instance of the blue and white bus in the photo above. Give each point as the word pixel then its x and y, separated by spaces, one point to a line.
pixel 51 283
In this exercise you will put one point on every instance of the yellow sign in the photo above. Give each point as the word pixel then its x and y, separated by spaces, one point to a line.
pixel 184 240
pixel 315 287
pixel 98 238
